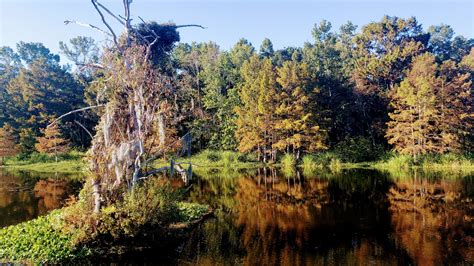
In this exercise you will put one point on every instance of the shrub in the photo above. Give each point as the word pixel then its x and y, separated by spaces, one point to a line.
pixel 325 158
pixel 358 149
pixel 40 241
pixel 229 158
pixel 309 162
pixel 335 165
pixel 151 204
pixel 212 156
pixel 288 161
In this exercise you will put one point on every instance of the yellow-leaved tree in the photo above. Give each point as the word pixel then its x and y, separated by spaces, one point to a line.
pixel 256 115
pixel 52 142
pixel 295 126
pixel 412 129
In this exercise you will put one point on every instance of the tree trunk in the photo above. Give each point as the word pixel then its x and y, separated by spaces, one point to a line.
pixel 96 195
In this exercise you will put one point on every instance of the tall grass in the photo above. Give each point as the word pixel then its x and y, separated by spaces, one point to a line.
pixel 309 163
pixel 213 158
pixel 288 161
pixel 428 162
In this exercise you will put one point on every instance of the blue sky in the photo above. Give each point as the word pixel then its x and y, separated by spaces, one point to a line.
pixel 286 23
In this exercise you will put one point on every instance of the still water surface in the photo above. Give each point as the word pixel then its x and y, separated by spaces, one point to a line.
pixel 351 217
pixel 267 217
pixel 26 195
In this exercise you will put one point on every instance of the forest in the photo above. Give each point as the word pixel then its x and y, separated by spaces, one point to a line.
pixel 358 91
pixel 142 148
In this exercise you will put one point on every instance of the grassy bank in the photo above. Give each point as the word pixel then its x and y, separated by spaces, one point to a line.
pixel 70 163
pixel 74 233
pixel 218 159
pixel 392 162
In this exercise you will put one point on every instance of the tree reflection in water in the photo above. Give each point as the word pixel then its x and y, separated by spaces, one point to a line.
pixel 25 195
pixel 351 217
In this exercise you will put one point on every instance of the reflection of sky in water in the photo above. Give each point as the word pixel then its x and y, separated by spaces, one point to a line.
pixel 352 217
pixel 24 196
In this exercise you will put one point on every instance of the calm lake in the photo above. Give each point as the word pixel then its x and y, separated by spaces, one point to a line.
pixel 27 195
pixel 267 217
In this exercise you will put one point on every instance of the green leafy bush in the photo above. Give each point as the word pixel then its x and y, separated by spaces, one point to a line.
pixel 358 149
pixel 309 162
pixel 41 241
pixel 188 212
pixel 212 156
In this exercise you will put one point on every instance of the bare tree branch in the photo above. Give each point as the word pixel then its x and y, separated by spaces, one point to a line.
pixel 67 22
pixel 75 111
pixel 118 18
pixel 114 36
pixel 189 25
pixel 95 65
pixel 85 129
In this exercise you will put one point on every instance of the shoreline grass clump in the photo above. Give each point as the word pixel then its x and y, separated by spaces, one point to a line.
pixel 427 162
pixel 288 161
pixel 218 159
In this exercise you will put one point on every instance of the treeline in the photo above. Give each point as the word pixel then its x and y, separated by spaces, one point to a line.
pixel 389 85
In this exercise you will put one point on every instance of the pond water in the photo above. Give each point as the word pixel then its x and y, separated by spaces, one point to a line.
pixel 267 217
pixel 27 195
pixel 350 217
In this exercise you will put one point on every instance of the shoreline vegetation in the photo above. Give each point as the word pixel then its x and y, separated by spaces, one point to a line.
pixel 73 162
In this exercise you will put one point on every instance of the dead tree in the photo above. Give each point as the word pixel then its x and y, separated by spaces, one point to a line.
pixel 135 113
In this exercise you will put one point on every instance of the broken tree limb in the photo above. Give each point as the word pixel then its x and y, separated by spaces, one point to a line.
pixel 85 129
pixel 67 22
pixel 118 18
pixel 75 111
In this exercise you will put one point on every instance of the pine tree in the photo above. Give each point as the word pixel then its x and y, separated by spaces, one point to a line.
pixel 7 143
pixel 256 115
pixel 454 106
pixel 52 142
pixel 295 126
pixel 412 129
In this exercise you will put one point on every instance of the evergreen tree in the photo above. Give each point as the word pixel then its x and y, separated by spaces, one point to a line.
pixel 256 115
pixel 411 129
pixel 222 95
pixel 52 141
pixel 266 49
pixel 454 106
pixel 7 143
pixel 383 51
pixel 295 124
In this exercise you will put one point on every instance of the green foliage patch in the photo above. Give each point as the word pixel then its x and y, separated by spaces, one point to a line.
pixel 41 241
